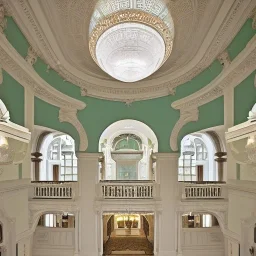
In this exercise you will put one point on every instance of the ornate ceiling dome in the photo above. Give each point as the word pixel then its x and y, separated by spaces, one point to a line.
pixel 130 39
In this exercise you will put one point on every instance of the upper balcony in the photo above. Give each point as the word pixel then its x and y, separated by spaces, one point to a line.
pixel 133 189
pixel 53 190
pixel 199 190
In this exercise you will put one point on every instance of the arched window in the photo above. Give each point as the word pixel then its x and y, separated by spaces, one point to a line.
pixel 196 162
pixel 127 142
pixel 61 157
pixel 201 150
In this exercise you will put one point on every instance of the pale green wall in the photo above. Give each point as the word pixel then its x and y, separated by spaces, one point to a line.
pixel 47 115
pixel 12 94
pixel 156 113
pixel 241 39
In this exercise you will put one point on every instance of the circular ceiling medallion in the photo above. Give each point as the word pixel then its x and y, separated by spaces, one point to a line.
pixel 131 44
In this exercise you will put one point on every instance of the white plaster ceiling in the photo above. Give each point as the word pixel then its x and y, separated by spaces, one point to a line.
pixel 59 29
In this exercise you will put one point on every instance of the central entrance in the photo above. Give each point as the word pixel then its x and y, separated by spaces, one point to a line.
pixel 128 234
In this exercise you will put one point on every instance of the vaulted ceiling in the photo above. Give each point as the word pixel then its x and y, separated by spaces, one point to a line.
pixel 59 29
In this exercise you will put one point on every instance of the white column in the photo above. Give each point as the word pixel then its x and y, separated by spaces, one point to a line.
pixel 29 123
pixel 167 172
pixel 179 228
pixel 230 165
pixel 77 229
pixel 88 168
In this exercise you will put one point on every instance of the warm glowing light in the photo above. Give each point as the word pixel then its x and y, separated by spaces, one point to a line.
pixel 3 142
pixel 130 52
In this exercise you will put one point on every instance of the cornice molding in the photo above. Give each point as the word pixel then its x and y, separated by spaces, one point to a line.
pixel 13 185
pixel 239 69
pixel 22 71
pixel 223 30
pixel 13 63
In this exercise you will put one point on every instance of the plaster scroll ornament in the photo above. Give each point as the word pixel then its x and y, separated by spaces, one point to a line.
pixel 70 116
pixel 31 57
pixel 128 103
pixel 224 59
pixel 84 91
pixel 252 113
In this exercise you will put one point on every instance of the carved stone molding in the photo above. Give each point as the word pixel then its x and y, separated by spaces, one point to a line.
pixel 239 69
pixel 70 116
pixel 254 19
pixel 23 73
pixel 3 21
pixel 224 59
pixel 224 31
pixel 186 116
pixel 31 58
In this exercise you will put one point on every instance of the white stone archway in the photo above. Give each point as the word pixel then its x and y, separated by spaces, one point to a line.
pixel 148 146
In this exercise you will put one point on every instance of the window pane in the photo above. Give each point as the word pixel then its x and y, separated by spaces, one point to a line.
pixel 68 163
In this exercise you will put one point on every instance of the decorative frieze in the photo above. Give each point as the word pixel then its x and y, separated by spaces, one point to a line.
pixel 3 21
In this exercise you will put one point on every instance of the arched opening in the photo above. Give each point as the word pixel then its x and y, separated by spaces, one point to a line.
pixel 55 229
pixel 59 162
pixel 197 160
pixel 57 220
pixel 128 147
pixel 128 233
pixel 201 233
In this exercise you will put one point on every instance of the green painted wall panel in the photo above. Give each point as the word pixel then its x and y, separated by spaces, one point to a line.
pixel 242 38
pixel 12 94
pixel 156 113
pixel 16 38
pixel 245 98
pixel 48 116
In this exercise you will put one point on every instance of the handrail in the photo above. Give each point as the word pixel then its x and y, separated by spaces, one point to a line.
pixel 203 191
pixel 127 190
pixel 49 190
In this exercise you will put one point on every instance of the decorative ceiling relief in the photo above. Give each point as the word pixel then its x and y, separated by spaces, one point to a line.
pixel 60 30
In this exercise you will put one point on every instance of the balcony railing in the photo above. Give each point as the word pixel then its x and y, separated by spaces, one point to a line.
pixel 203 190
pixel 53 190
pixel 127 189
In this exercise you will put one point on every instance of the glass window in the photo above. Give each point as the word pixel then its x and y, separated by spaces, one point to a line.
pixel 61 151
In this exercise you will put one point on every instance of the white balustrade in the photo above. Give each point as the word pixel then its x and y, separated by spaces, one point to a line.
pixel 202 191
pixel 50 190
pixel 127 190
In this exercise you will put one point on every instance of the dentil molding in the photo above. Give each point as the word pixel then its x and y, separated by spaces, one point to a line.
pixel 229 20
pixel 231 76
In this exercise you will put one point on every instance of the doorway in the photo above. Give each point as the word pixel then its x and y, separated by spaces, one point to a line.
pixel 128 234
pixel 200 173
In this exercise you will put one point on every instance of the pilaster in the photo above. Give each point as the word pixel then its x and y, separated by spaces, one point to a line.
pixel 29 123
